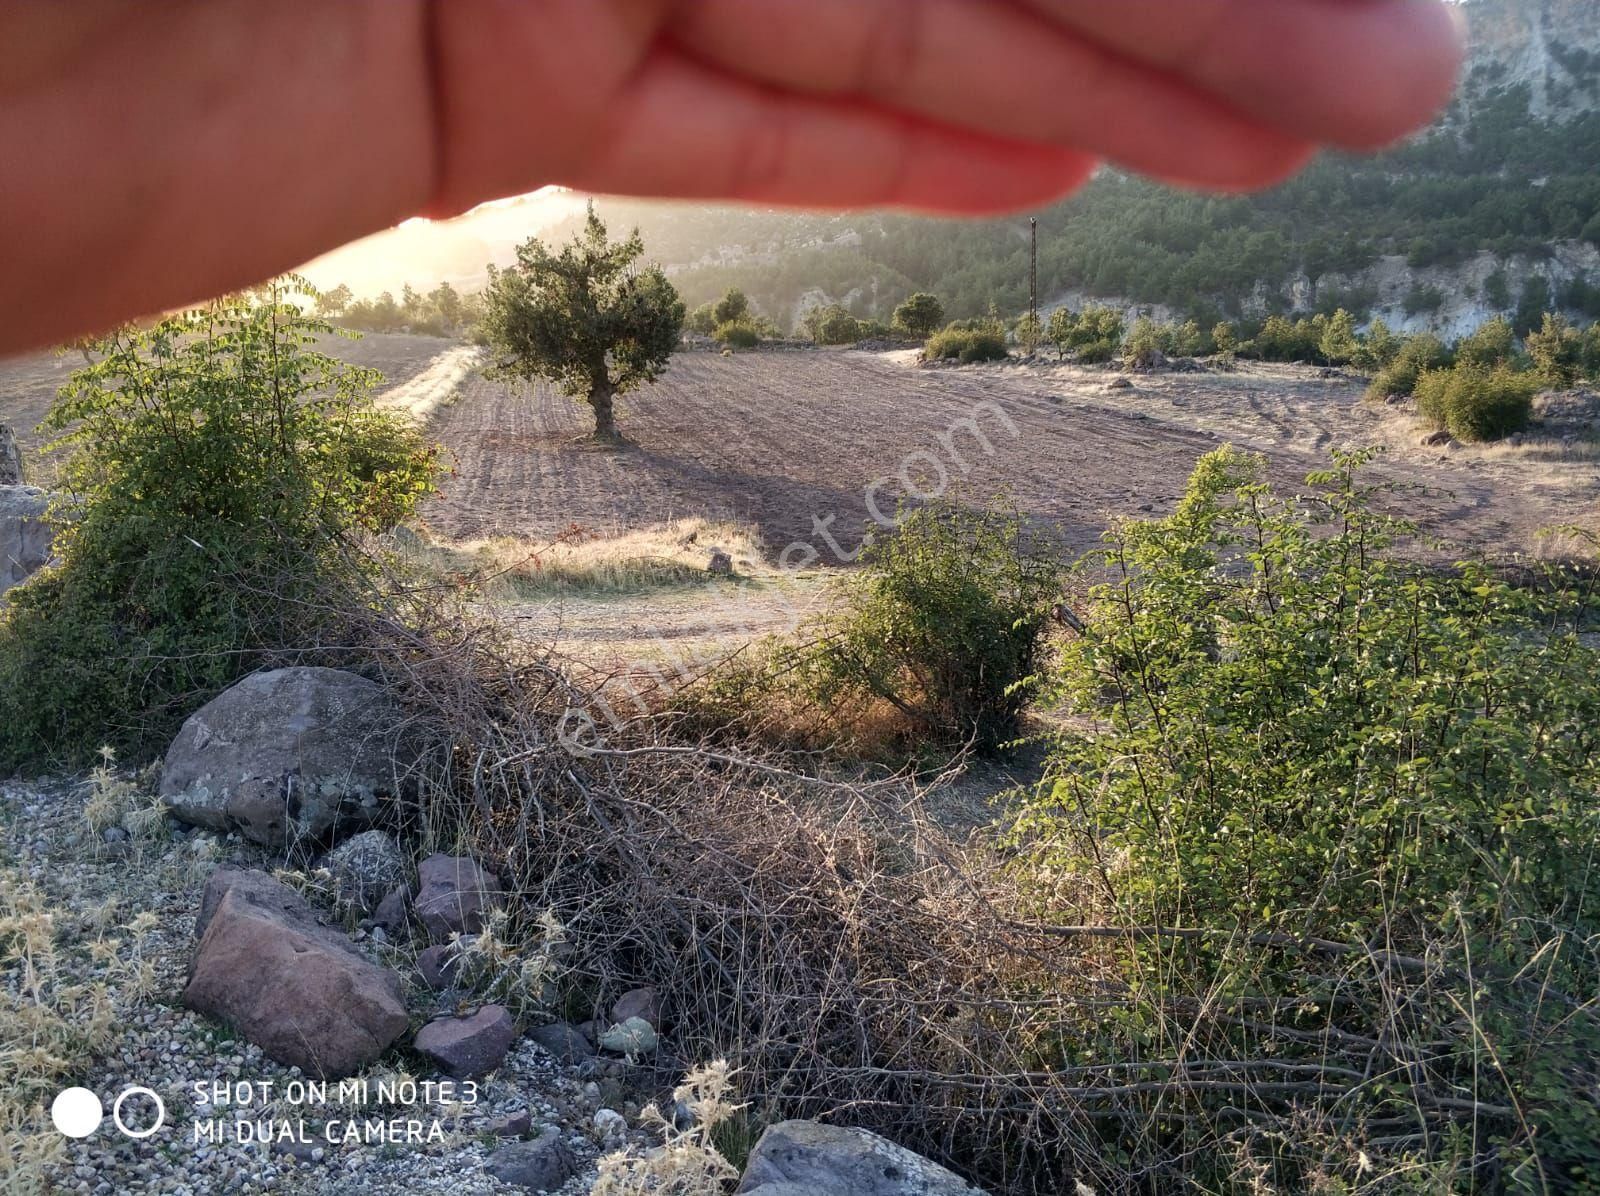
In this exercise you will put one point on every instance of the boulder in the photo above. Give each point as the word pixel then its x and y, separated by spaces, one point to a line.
pixel 296 988
pixel 565 1042
pixel 454 896
pixel 806 1156
pixel 288 757
pixel 366 869
pixel 541 1165
pixel 26 537
pixel 469 1046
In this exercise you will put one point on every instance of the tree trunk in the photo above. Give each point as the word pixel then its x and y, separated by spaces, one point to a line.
pixel 600 398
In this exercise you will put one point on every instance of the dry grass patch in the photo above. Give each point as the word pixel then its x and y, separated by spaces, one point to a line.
pixel 581 561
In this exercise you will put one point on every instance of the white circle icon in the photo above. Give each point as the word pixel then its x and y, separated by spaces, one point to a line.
pixel 76 1112
pixel 137 1090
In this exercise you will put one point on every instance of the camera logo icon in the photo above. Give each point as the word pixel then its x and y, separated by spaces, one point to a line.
pixel 77 1112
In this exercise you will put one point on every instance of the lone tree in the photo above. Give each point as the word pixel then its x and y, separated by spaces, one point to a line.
pixel 588 320
pixel 920 316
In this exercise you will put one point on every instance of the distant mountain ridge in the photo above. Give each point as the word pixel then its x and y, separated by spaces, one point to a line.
pixel 1552 47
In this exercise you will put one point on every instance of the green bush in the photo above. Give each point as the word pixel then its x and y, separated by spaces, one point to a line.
pixel 1417 355
pixel 737 334
pixel 1474 403
pixel 944 621
pixel 966 345
pixel 832 325
pixel 216 467
pixel 1352 806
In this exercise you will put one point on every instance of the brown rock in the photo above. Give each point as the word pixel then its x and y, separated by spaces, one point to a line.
pixel 438 965
pixel 471 1046
pixel 454 896
pixel 297 989
pixel 642 1003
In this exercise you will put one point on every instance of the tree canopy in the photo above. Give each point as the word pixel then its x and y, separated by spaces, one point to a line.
pixel 589 319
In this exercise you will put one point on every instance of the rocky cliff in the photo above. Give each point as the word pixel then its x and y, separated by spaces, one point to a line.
pixel 1551 47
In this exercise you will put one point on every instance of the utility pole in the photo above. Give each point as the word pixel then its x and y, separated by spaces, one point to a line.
pixel 1033 285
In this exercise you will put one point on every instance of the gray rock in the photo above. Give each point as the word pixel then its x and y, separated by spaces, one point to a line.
pixel 543 1164
pixel 805 1156
pixel 642 1003
pixel 297 989
pixel 454 896
pixel 26 537
pixel 394 912
pixel 1120 384
pixel 365 869
pixel 632 1037
pixel 564 1041
pixel 469 1046
pixel 287 757
pixel 720 565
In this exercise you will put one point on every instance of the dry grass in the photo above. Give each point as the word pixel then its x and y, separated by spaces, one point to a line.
pixel 53 1020
pixel 588 563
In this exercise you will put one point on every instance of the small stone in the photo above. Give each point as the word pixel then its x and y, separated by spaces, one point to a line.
pixel 608 1123
pixel 511 1125
pixel 393 911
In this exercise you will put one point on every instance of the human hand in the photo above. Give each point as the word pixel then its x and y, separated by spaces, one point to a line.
pixel 153 154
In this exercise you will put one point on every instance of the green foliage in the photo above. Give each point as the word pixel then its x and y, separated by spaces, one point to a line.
pixel 1092 336
pixel 702 319
pixel 589 319
pixel 732 308
pixel 1493 344
pixel 1378 348
pixel 1422 299
pixel 1531 308
pixel 1292 737
pixel 1028 331
pixel 737 334
pixel 1415 355
pixel 1338 344
pixel 1226 338
pixel 832 325
pixel 944 621
pixel 1146 336
pixel 1497 291
pixel 920 315
pixel 216 466
pixel 966 345
pixel 1557 351
pixel 441 312
pixel 1476 403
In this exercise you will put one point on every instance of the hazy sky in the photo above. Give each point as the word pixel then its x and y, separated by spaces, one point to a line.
pixel 427 252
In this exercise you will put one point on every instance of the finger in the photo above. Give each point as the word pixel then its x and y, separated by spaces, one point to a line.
pixel 682 130
pixel 128 188
pixel 1020 76
pixel 1353 73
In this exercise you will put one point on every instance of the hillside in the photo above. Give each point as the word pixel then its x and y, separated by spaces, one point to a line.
pixel 1496 207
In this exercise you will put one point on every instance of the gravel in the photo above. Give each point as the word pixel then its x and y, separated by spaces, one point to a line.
pixel 162 1046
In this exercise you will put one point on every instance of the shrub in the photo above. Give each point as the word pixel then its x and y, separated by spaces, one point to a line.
pixel 1336 790
pixel 1474 403
pixel 1557 351
pixel 832 325
pixel 966 345
pixel 1416 355
pixel 944 621
pixel 217 467
pixel 1493 344
pixel 737 334
pixel 919 316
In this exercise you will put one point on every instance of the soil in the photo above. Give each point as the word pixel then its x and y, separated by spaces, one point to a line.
pixel 791 442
